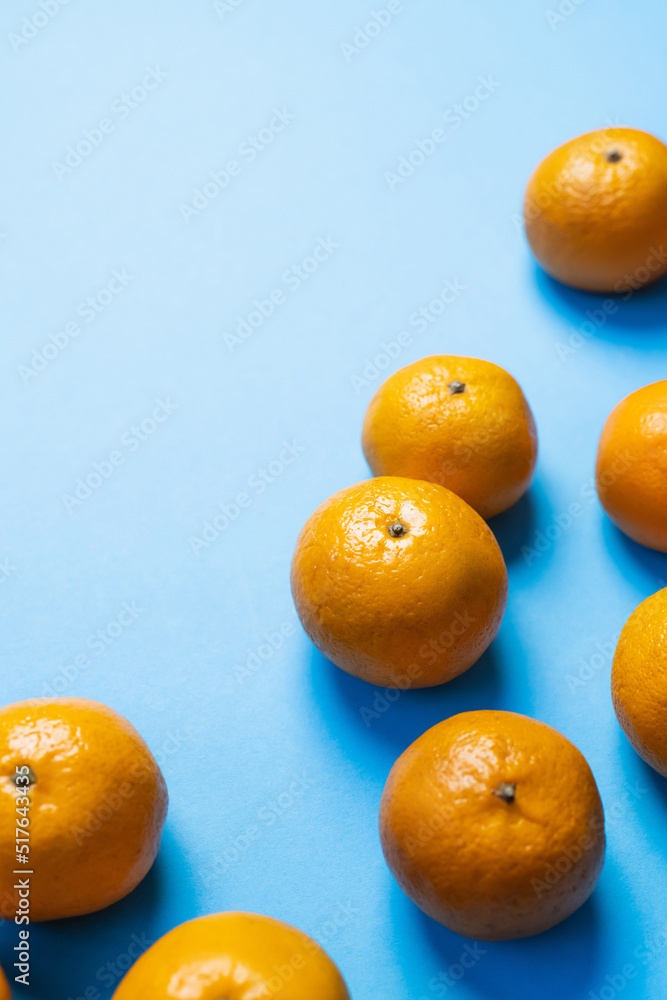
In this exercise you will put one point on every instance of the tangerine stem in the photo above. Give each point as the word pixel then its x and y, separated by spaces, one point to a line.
pixel 397 529
pixel 505 791
pixel 32 778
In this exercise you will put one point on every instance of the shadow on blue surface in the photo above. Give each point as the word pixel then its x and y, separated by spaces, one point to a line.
pixel 651 787
pixel 515 528
pixel 562 962
pixel 87 956
pixel 360 714
pixel 641 318
pixel 645 567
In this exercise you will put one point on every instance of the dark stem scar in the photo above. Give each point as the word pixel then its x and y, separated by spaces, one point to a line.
pixel 397 529
pixel 505 791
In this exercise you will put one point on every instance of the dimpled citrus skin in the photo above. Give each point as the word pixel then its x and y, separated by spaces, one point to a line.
pixel 409 611
pixel 639 680
pixel 593 220
pixel 233 956
pixel 485 867
pixel 631 468
pixel 4 987
pixel 97 807
pixel 480 441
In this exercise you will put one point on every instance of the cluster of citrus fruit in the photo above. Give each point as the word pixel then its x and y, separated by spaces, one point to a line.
pixel 491 821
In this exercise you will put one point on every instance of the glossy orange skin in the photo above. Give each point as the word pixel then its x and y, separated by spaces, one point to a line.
pixel 481 442
pixel 4 988
pixel 96 810
pixel 484 867
pixel 639 680
pixel 594 223
pixel 234 956
pixel 631 468
pixel 410 611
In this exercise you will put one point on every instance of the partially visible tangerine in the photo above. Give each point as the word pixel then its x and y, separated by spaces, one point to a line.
pixel 631 467
pixel 95 804
pixel 234 956
pixel 596 211
pixel 639 680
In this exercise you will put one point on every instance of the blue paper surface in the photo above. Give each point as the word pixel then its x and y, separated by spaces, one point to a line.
pixel 220 222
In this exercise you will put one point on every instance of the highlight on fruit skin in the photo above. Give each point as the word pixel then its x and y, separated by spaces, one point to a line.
pixel 91 795
pixel 639 680
pixel 399 582
pixel 240 955
pixel 631 466
pixel 463 423
pixel 595 211
pixel 491 823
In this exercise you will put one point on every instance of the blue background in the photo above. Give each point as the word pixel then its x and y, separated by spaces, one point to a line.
pixel 274 777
